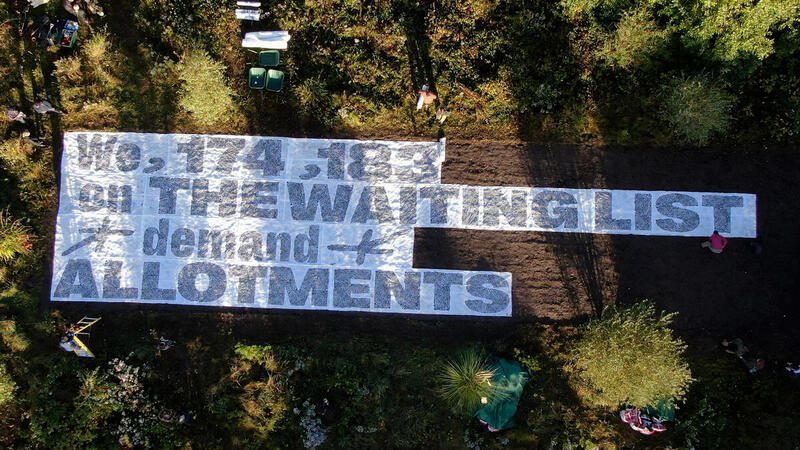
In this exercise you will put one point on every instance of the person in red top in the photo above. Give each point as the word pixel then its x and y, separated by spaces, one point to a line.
pixel 716 243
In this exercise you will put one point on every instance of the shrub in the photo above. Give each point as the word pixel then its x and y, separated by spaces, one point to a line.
pixel 635 40
pixel 12 337
pixel 695 109
pixel 182 24
pixel 35 180
pixel 7 64
pixel 315 102
pixel 15 155
pixel 204 93
pixel 15 238
pixel 492 108
pixel 630 356
pixel 262 355
pixel 99 56
pixel 77 408
pixel 466 380
pixel 255 395
pixel 89 82
pixel 20 305
pixel 576 8
pixel 467 40
pixel 7 386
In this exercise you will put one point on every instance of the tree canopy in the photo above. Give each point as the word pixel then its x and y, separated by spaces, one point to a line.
pixel 204 92
pixel 629 356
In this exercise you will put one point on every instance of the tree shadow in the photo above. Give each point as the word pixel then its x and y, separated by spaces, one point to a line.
pixel 146 102
pixel 585 260
pixel 625 106
pixel 741 292
pixel 414 18
pixel 545 70
pixel 418 43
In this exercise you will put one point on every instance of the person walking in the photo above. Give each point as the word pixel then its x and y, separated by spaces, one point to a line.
pixel 716 243
pixel 426 97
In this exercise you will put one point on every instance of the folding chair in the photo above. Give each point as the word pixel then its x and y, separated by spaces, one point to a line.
pixel 269 58
pixel 274 80
pixel 257 78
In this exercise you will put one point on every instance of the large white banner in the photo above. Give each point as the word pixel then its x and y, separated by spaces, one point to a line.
pixel 314 223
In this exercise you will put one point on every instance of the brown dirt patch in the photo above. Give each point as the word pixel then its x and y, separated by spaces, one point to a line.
pixel 564 277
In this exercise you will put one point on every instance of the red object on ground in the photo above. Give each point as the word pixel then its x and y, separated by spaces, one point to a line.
pixel 643 424
pixel 718 241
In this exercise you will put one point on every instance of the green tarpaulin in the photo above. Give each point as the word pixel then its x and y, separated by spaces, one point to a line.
pixel 509 379
pixel 664 410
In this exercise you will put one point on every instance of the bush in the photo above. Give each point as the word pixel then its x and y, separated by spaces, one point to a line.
pixel 315 102
pixel 89 84
pixel 630 356
pixel 183 24
pixel 15 340
pixel 255 395
pixel 15 238
pixel 723 402
pixel 7 62
pixel 35 182
pixel 205 93
pixel 466 381
pixel 695 109
pixel 576 8
pixel 7 386
pixel 636 39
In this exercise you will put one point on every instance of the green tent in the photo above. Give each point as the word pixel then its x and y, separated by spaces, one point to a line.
pixel 509 379
pixel 664 410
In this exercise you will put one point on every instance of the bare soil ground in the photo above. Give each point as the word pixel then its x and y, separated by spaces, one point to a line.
pixel 563 277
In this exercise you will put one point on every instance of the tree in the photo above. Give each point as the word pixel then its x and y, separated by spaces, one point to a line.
pixel 204 92
pixel 727 29
pixel 736 28
pixel 630 356
pixel 695 109
pixel 636 39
